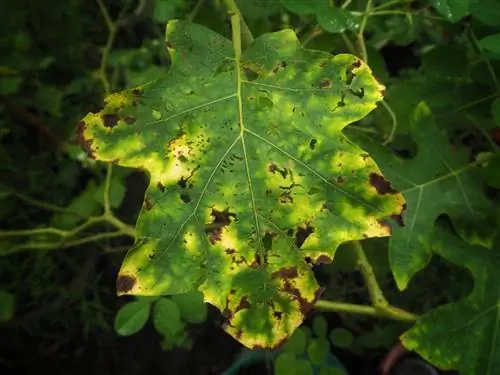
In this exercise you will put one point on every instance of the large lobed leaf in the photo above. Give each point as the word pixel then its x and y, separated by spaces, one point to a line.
pixel 436 181
pixel 251 179
pixel 463 335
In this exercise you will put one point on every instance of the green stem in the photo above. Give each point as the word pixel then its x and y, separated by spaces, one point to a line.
pixel 342 307
pixel 394 119
pixel 112 30
pixel 486 61
pixel 195 11
pixel 376 296
pixel 360 36
pixel 107 186
pixel 47 206
pixel 246 33
pixel 315 32
pixel 33 232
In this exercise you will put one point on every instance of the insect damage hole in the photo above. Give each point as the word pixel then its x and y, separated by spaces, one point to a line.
pixel 220 219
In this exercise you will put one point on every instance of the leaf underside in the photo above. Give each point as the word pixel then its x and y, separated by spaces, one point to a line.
pixel 251 178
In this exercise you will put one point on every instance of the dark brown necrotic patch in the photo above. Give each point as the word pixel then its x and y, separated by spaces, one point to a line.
pixel 129 120
pixel 110 120
pixel 125 283
pixel 220 219
pixel 86 144
pixel 302 234
pixel 381 184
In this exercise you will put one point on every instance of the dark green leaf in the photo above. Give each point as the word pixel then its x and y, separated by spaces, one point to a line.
pixel 318 350
pixel 463 335
pixel 486 11
pixel 491 43
pixel 320 326
pixel 285 363
pixel 341 337
pixel 297 343
pixel 192 306
pixel 436 181
pixel 452 10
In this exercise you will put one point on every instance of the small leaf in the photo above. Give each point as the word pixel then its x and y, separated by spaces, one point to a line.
pixel 192 307
pixel 452 10
pixel 318 350
pixel 320 326
pixel 303 367
pixel 131 318
pixel 6 306
pixel 165 10
pixel 285 363
pixel 167 317
pixel 491 43
pixel 257 9
pixel 341 337
pixel 297 343
pixel 463 335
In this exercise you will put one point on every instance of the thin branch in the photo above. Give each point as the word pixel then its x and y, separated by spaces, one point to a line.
pixel 342 307
pixel 107 186
pixel 112 30
pixel 486 61
pixel 394 119
pixel 360 36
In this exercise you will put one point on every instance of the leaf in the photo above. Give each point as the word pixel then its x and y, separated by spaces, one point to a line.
pixel 165 10
pixel 341 337
pixel 330 18
pixel 297 342
pixel 486 11
pixel 257 9
pixel 320 326
pixel 436 181
pixel 463 335
pixel 167 317
pixel 452 10
pixel 192 306
pixel 249 173
pixel 491 43
pixel 131 318
pixel 285 363
pixel 318 350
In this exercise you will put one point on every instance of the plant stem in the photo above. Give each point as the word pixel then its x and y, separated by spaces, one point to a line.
pixel 112 29
pixel 246 33
pixel 376 296
pixel 342 307
pixel 394 119
pixel 47 206
pixel 360 36
pixel 486 61
pixel 316 31
pixel 107 186
pixel 195 10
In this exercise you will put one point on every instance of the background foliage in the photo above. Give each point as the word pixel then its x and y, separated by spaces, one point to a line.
pixel 67 220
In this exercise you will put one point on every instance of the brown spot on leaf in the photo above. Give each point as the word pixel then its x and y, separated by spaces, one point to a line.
pixel 381 184
pixel 129 120
pixel 148 203
pixel 168 44
pixel 84 143
pixel 244 304
pixel 219 221
pixel 277 315
pixel 109 120
pixel 365 156
pixel 385 225
pixel 340 180
pixel 160 187
pixel 137 92
pixel 115 161
pixel 325 84
pixel 230 251
pixel 285 273
pixel 302 234
pixel 323 259
pixel 125 283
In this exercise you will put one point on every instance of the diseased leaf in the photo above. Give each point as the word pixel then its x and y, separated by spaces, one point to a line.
pixel 436 181
pixel 463 335
pixel 251 178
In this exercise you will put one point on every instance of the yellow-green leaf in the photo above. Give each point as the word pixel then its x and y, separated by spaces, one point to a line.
pixel 251 178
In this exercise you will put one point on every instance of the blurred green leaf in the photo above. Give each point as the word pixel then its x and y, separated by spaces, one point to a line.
pixel 191 305
pixel 167 317
pixel 341 337
pixel 318 350
pixel 165 10
pixel 452 10
pixel 131 318
pixel 495 111
pixel 285 363
pixel 320 326
pixel 491 43
pixel 297 343
pixel 486 11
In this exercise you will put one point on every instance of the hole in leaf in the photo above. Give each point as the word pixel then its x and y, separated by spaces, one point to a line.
pixel 109 121
pixel 302 234
pixel 381 184
pixel 358 93
pixel 220 219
